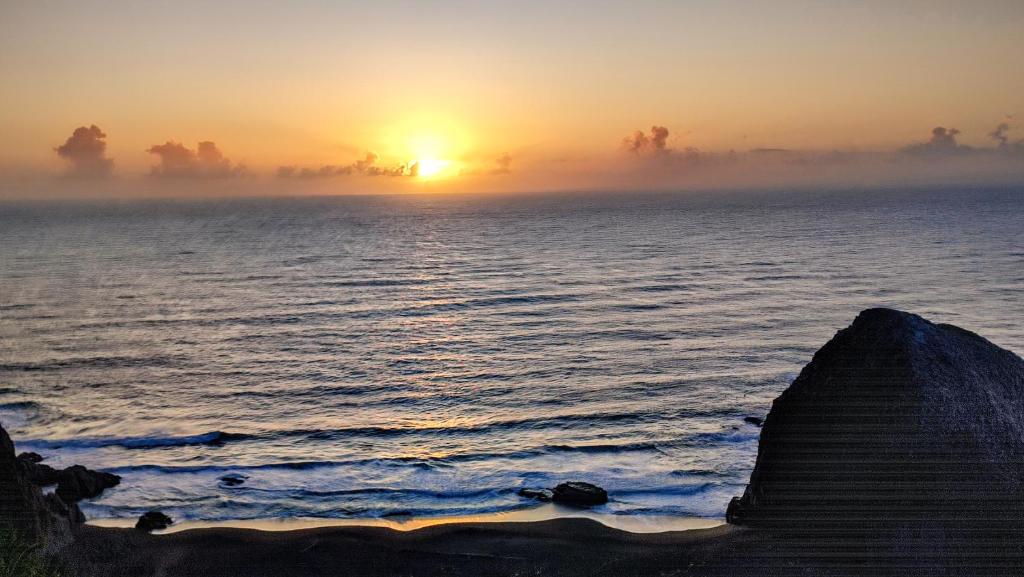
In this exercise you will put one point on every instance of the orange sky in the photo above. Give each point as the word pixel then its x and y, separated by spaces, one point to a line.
pixel 498 95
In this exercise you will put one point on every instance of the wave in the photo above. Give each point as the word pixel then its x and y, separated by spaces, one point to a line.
pixel 217 438
pixel 210 438
pixel 91 362
pixel 417 462
pixel 19 406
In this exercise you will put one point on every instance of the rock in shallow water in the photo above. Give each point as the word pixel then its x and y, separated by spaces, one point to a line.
pixel 153 521
pixel 76 483
pixel 580 494
pixel 538 494
pixel 895 422
pixel 232 480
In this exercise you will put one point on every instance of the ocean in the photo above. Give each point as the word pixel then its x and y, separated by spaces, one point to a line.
pixel 381 356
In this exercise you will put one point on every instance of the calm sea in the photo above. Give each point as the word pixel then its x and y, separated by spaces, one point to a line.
pixel 374 356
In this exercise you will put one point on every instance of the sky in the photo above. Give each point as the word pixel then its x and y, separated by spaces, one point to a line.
pixel 339 97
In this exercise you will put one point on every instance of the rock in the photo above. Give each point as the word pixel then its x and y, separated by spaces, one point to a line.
pixel 62 509
pixel 580 494
pixel 23 507
pixel 153 521
pixel 76 483
pixel 30 457
pixel 756 421
pixel 538 494
pixel 39 473
pixel 896 423
pixel 232 480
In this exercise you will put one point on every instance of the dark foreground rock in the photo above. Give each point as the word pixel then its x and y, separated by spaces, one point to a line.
pixel 39 473
pixel 42 521
pixel 579 493
pixel 896 424
pixel 76 483
pixel 153 521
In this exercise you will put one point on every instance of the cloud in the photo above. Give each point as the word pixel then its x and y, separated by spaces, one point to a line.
pixel 366 166
pixel 641 143
pixel 942 141
pixel 999 134
pixel 207 161
pixel 85 149
pixel 503 164
pixel 657 156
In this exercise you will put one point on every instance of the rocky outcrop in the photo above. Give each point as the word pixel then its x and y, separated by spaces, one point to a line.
pixel 153 521
pixel 895 423
pixel 38 473
pixel 41 522
pixel 579 493
pixel 76 483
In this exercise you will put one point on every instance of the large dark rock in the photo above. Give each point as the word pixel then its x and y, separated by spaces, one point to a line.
pixel 76 483
pixel 579 493
pixel 23 508
pixel 896 423
pixel 153 521
pixel 39 474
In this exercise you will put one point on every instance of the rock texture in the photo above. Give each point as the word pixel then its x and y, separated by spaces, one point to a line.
pixel 22 506
pixel 76 483
pixel 153 521
pixel 42 521
pixel 896 423
pixel 579 493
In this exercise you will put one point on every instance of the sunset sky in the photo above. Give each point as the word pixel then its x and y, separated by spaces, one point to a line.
pixel 507 95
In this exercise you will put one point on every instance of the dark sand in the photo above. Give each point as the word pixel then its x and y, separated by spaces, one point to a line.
pixel 574 547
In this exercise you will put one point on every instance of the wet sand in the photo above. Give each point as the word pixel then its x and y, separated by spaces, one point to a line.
pixel 546 512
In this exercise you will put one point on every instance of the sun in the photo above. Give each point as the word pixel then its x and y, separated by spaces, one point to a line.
pixel 431 167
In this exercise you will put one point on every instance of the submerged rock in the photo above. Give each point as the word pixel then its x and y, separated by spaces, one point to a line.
pixel 538 494
pixel 76 483
pixel 896 422
pixel 580 494
pixel 756 421
pixel 232 480
pixel 153 521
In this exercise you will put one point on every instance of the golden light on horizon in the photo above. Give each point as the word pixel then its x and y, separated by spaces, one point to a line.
pixel 432 167
pixel 431 151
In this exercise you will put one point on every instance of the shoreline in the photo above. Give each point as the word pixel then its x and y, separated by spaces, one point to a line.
pixel 637 524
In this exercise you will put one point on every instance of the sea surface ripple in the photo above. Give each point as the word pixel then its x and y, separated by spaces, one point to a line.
pixel 430 355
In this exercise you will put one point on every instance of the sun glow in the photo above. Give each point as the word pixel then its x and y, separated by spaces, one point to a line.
pixel 431 167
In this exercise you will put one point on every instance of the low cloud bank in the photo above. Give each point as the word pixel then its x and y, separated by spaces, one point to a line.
pixel 86 149
pixel 649 159
pixel 366 166
pixel 206 161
